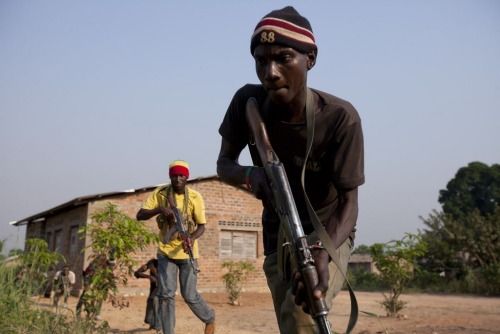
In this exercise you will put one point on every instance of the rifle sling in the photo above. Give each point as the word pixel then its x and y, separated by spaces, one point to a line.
pixel 173 203
pixel 318 227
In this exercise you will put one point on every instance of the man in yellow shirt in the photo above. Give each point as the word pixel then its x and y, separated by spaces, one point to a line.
pixel 173 260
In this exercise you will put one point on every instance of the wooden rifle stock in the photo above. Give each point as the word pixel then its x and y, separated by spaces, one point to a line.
pixel 287 211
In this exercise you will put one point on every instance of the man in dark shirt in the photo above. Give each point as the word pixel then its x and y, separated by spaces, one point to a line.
pixel 284 50
pixel 152 317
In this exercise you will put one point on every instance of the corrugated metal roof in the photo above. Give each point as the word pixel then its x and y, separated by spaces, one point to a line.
pixel 89 198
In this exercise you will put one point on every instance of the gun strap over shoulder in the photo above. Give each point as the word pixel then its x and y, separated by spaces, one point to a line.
pixel 318 227
pixel 173 203
pixel 171 232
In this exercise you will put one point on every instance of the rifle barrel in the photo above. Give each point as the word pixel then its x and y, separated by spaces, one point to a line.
pixel 184 234
pixel 288 213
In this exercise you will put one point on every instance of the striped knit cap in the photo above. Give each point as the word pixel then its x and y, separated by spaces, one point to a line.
pixel 285 27
pixel 178 167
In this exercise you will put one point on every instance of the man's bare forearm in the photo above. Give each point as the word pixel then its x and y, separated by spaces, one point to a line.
pixel 198 232
pixel 228 167
pixel 340 227
pixel 145 214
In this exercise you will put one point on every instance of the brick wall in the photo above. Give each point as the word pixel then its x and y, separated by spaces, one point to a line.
pixel 227 203
pixel 224 203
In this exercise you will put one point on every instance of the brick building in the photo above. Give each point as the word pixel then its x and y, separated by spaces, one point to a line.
pixel 233 232
pixel 362 262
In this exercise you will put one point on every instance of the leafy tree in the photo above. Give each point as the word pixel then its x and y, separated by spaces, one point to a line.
pixel 463 239
pixel 442 255
pixel 396 262
pixel 361 249
pixel 114 236
pixel 466 249
pixel 475 187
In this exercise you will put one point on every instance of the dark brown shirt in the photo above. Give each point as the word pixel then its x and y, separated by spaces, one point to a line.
pixel 336 160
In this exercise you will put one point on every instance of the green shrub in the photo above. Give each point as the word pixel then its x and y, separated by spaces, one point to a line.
pixel 391 305
pixel 114 237
pixel 427 281
pixel 362 280
pixel 234 278
pixel 395 260
pixel 20 312
pixel 489 280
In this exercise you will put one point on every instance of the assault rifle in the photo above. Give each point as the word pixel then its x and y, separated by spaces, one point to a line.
pixel 184 235
pixel 284 205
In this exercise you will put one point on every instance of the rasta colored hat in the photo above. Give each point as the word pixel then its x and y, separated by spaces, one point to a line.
pixel 178 167
pixel 285 27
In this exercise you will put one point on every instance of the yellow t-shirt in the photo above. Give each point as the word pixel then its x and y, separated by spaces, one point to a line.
pixel 195 211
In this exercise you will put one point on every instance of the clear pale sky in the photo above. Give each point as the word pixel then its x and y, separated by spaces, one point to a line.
pixel 100 96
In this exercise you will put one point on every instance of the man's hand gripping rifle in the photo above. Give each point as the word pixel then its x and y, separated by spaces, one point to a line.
pixel 289 217
pixel 184 235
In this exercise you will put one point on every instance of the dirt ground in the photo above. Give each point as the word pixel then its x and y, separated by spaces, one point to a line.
pixel 424 314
